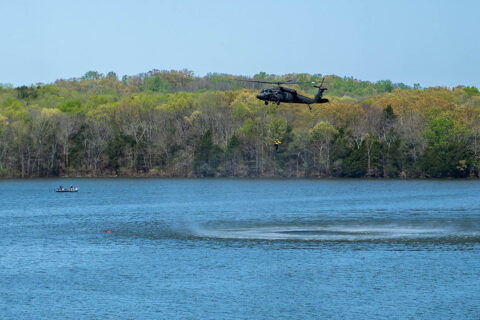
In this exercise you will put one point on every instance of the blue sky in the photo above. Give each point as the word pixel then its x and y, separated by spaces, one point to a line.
pixel 431 42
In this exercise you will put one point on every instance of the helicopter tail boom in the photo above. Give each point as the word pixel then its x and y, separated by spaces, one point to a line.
pixel 318 97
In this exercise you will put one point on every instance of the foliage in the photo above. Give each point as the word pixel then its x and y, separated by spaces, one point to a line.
pixel 173 123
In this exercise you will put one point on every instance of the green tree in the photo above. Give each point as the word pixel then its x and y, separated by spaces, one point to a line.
pixel 71 106
pixel 323 135
pixel 111 75
pixel 388 137
pixel 447 154
pixel 92 75
pixel 207 156
pixel 157 84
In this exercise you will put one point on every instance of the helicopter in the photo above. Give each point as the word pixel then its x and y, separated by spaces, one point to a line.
pixel 283 94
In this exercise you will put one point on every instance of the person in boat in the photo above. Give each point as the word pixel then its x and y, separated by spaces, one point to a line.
pixel 71 188
pixel 276 143
pixel 60 188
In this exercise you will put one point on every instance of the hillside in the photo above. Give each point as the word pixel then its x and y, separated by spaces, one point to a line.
pixel 175 124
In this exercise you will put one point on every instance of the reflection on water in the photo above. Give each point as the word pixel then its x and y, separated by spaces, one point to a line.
pixel 247 249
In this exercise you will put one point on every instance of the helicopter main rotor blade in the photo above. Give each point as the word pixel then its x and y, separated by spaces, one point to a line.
pixel 258 81
pixel 321 84
pixel 278 82
pixel 270 82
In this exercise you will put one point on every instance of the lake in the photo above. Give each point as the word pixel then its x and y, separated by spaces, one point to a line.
pixel 240 249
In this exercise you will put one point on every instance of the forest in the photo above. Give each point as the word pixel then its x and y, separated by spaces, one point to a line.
pixel 169 123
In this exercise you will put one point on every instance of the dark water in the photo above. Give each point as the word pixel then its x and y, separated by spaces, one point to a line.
pixel 240 249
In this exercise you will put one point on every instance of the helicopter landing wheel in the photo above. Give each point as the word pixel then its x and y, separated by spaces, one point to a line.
pixel 266 103
pixel 278 103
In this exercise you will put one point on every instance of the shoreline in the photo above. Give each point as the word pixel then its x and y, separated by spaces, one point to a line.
pixel 239 178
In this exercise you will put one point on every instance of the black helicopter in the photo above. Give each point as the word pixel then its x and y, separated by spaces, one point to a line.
pixel 282 94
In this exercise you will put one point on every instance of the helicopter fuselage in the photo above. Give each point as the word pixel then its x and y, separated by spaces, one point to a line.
pixel 288 95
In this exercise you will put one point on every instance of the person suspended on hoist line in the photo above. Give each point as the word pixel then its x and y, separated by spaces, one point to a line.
pixel 276 143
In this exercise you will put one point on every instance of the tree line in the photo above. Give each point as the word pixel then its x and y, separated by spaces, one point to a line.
pixel 176 124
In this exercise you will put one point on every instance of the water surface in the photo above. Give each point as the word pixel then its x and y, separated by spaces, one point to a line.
pixel 241 249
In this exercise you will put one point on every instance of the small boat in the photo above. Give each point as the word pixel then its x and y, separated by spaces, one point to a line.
pixel 62 189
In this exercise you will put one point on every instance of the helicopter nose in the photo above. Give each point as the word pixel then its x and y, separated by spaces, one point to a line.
pixel 260 96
